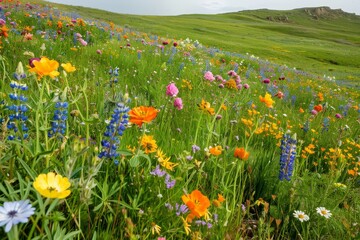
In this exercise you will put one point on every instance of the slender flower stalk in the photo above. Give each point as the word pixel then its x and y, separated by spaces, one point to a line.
pixel 287 157
pixel 58 125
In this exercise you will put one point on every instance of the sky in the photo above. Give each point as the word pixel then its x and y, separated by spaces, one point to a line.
pixel 172 7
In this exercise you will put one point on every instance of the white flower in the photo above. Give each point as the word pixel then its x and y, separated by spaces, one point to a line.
pixel 301 216
pixel 323 212
pixel 13 213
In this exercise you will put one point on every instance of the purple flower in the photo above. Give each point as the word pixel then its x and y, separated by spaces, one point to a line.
pixel 338 115
pixel 178 103
pixel 158 172
pixel 181 209
pixel 266 81
pixel 172 90
pixel 169 182
pixel 189 158
pixel 195 148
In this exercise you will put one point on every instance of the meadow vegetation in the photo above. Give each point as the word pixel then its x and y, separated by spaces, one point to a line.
pixel 114 132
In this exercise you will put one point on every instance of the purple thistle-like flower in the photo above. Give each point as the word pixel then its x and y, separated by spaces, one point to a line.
pixel 287 157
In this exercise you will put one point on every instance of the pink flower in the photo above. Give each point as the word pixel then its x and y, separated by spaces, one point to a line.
pixel 178 103
pixel 175 44
pixel 314 112
pixel 99 51
pixel 246 86
pixel 338 115
pixel 172 90
pixel 266 81
pixel 209 76
pixel 83 42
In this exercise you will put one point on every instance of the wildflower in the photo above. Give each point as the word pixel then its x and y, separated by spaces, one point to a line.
pixel 209 76
pixel 267 100
pixel 323 212
pixel 172 90
pixel 52 185
pixel 170 183
pixel 142 114
pixel 301 216
pixel 287 157
pixel 178 103
pixel 217 202
pixel 231 84
pixel 45 67
pixel 241 153
pixel 186 226
pixel 12 213
pixel 197 203
pixel 318 108
pixel 338 115
pixel 216 151
pixel 68 67
pixel 340 185
pixel 158 172
pixel 279 94
pixel 205 106
pixel 148 143
pixel 99 51
pixel 58 124
pixel 155 228
pixel 195 148
pixel 314 112
pixel 4 31
pixel 114 130
pixel 165 161
pixel 301 110
pixel 246 86
pixel 266 81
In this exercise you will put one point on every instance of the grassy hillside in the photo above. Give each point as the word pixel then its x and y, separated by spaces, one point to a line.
pixel 322 41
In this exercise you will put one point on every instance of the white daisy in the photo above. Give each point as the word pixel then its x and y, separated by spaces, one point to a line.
pixel 301 216
pixel 323 212
pixel 13 213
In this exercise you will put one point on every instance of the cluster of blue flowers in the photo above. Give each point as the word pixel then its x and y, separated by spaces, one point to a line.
pixel 287 157
pixel 114 73
pixel 17 116
pixel 114 130
pixel 58 125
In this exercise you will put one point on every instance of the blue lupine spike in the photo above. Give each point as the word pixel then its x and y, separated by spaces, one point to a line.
pixel 287 157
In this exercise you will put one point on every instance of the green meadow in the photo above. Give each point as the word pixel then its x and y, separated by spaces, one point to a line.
pixel 232 126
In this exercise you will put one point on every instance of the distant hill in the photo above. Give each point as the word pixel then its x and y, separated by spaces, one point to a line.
pixel 320 40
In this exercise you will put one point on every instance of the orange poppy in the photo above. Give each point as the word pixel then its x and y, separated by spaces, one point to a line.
pixel 197 204
pixel 267 100
pixel 45 67
pixel 216 151
pixel 241 153
pixel 318 108
pixel 142 114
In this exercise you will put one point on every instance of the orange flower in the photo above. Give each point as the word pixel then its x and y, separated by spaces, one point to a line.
pixel 216 151
pixel 301 110
pixel 267 100
pixel 318 108
pixel 217 202
pixel 142 114
pixel 4 31
pixel 197 203
pixel 241 153
pixel 205 106
pixel 45 67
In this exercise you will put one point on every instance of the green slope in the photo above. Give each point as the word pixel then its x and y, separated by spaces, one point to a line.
pixel 321 41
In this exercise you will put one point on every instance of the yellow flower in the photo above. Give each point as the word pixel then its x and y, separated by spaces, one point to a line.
pixel 155 228
pixel 68 67
pixel 52 185
pixel 267 100
pixel 165 161
pixel 45 67
pixel 186 226
pixel 148 143
pixel 205 106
